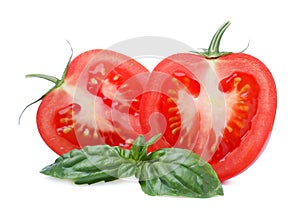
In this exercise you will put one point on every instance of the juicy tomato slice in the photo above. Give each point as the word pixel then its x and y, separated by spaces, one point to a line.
pixel 86 108
pixel 235 100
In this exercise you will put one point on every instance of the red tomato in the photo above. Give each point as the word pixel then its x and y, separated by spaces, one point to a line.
pixel 235 99
pixel 78 112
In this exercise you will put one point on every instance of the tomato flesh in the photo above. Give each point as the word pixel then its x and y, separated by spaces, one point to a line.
pixel 241 91
pixel 167 108
pixel 65 124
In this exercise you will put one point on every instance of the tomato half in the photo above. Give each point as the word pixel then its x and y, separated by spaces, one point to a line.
pixel 79 111
pixel 235 99
pixel 236 114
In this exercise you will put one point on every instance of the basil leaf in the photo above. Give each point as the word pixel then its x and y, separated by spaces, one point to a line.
pixel 170 171
pixel 93 164
pixel 178 172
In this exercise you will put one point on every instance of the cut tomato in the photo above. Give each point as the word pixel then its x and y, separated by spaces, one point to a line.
pixel 235 99
pixel 79 111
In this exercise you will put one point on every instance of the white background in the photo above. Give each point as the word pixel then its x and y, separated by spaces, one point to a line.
pixel 33 38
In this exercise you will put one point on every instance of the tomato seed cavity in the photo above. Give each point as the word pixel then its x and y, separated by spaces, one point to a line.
pixel 241 93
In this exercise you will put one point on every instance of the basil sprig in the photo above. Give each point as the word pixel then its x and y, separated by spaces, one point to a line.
pixel 168 171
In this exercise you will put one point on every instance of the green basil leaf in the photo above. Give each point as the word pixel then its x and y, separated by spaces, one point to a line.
pixel 170 171
pixel 178 172
pixel 93 164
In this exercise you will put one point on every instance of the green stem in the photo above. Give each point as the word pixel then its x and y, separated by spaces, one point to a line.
pixel 43 76
pixel 213 51
pixel 215 42
pixel 56 81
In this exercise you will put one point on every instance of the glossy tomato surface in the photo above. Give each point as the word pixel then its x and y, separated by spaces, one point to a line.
pixel 235 103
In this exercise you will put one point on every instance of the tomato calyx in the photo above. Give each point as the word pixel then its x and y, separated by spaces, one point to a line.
pixel 213 50
pixel 57 82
